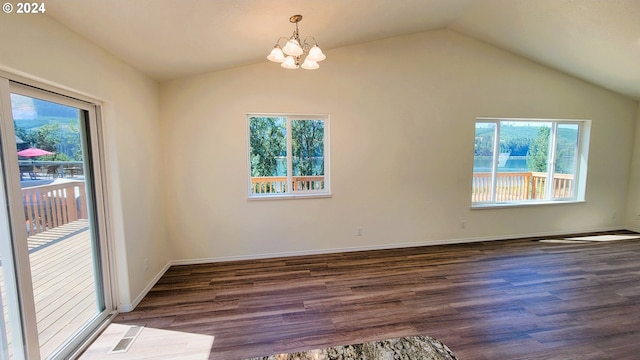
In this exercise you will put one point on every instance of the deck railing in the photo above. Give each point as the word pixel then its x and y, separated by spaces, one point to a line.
pixel 50 206
pixel 513 186
pixel 278 184
pixel 49 169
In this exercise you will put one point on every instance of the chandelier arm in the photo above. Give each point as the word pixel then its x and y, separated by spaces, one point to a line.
pixel 278 41
pixel 307 45
pixel 315 42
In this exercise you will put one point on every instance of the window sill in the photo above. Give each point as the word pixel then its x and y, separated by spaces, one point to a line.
pixel 289 196
pixel 480 206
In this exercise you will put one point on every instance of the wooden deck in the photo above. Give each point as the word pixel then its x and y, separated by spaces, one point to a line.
pixel 63 282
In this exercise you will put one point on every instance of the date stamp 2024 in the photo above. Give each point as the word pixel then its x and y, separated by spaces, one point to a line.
pixel 24 8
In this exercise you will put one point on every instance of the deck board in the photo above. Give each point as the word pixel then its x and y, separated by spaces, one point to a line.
pixel 63 282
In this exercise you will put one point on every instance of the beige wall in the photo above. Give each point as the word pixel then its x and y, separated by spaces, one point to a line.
pixel 402 129
pixel 40 48
pixel 633 197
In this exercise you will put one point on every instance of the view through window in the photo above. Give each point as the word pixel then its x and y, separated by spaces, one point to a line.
pixel 288 155
pixel 522 161
pixel 52 275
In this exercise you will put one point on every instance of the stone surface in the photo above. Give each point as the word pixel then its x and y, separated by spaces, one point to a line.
pixel 406 348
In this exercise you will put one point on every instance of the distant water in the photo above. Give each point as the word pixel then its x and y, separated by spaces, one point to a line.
pixel 512 164
pixel 564 164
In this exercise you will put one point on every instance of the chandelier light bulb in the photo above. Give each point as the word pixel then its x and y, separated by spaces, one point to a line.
pixel 276 55
pixel 289 63
pixel 310 64
pixel 315 54
pixel 293 48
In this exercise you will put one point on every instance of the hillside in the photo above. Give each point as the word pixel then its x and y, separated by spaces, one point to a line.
pixel 48 126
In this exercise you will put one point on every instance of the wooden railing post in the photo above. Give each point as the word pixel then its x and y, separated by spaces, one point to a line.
pixel 278 184
pixel 50 206
pixel 519 186
pixel 534 187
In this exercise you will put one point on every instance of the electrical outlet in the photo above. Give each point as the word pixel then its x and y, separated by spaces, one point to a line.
pixel 462 224
pixel 359 231
pixel 146 265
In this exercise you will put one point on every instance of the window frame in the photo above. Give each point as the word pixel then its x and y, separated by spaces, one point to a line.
pixel 581 162
pixel 292 193
pixel 27 335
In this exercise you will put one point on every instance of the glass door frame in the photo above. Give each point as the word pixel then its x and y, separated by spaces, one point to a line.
pixel 21 315
pixel 95 180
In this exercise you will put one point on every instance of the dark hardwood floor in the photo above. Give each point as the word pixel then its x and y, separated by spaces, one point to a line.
pixel 514 299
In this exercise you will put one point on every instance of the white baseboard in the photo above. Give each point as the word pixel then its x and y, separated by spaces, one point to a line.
pixel 130 307
pixel 385 246
pixel 145 291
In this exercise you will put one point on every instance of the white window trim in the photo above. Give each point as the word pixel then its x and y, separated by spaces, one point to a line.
pixel 580 183
pixel 326 193
pixel 488 205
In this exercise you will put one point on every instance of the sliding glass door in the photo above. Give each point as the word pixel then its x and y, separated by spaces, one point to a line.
pixel 55 251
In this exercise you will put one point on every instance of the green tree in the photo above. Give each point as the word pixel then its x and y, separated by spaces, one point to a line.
pixel 268 142
pixel 69 143
pixel 49 137
pixel 44 137
pixel 516 146
pixel 483 147
pixel 539 150
pixel 565 156
pixel 484 141
pixel 20 132
pixel 307 137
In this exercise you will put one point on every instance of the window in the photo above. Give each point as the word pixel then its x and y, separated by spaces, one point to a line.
pixel 288 155
pixel 43 219
pixel 521 161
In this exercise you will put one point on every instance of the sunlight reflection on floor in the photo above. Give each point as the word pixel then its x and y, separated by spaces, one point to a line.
pixel 150 344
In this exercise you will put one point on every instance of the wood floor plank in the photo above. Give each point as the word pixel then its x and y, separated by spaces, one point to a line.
pixel 514 299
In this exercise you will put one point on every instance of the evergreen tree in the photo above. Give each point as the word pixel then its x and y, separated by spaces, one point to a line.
pixel 539 150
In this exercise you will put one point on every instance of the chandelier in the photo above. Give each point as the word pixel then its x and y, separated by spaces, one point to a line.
pixel 295 52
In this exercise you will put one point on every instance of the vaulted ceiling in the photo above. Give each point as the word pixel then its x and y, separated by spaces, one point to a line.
pixel 596 40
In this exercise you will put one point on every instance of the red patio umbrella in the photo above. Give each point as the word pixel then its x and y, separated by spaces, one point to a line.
pixel 33 152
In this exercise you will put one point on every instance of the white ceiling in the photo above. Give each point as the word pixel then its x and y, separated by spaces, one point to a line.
pixel 596 40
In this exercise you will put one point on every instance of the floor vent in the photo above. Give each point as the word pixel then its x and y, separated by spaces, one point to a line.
pixel 127 340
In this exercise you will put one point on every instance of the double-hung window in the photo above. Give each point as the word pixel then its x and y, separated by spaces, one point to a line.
pixel 521 161
pixel 288 155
